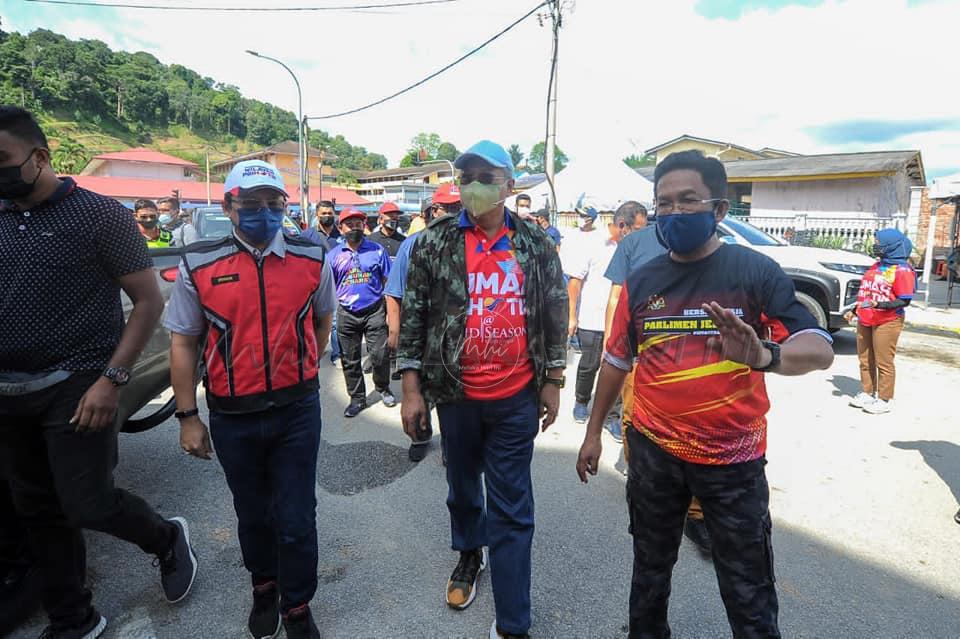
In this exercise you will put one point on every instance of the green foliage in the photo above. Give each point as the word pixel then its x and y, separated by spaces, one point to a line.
pixel 426 147
pixel 515 154
pixel 69 157
pixel 536 161
pixel 135 98
pixel 635 161
pixel 447 151
pixel 828 242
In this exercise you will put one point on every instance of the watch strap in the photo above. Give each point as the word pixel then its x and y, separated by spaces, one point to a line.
pixel 774 349
pixel 183 414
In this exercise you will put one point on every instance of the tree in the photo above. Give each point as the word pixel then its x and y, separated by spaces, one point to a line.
pixel 515 154
pixel 447 151
pixel 535 159
pixel 428 144
pixel 634 161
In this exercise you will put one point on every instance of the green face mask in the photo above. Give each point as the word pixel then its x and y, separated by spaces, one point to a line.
pixel 479 198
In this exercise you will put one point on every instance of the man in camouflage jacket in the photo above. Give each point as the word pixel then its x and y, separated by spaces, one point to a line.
pixel 484 338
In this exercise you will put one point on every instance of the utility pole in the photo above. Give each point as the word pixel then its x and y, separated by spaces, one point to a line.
pixel 207 155
pixel 550 143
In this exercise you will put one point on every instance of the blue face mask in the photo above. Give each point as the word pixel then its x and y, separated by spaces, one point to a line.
pixel 260 225
pixel 684 233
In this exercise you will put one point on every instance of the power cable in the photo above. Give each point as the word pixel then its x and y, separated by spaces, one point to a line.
pixel 435 73
pixel 357 7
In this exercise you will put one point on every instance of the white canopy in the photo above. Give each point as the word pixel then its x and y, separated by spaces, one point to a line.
pixel 945 187
pixel 603 182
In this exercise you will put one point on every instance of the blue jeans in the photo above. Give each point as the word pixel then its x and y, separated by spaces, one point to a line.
pixel 494 439
pixel 270 460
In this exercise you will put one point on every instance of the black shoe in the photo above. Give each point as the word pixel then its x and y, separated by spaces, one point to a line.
pixel 696 531
pixel 462 587
pixel 178 568
pixel 496 633
pixel 354 408
pixel 386 396
pixel 396 376
pixel 264 622
pixel 956 517
pixel 92 628
pixel 299 624
pixel 19 593
pixel 418 451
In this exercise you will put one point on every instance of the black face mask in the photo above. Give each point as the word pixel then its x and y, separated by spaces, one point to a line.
pixel 390 224
pixel 149 225
pixel 354 236
pixel 326 220
pixel 12 184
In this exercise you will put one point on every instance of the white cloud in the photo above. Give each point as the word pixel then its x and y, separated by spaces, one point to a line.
pixel 629 71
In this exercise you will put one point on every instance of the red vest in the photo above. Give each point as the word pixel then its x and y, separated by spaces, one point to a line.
pixel 261 348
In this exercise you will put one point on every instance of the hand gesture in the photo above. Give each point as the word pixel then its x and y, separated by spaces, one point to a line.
pixel 588 461
pixel 195 438
pixel 549 405
pixel 737 342
pixel 97 408
pixel 413 414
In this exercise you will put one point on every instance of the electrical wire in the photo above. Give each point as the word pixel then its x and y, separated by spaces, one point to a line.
pixel 357 7
pixel 435 73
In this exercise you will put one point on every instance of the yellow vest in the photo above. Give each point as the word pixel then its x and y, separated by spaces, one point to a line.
pixel 164 240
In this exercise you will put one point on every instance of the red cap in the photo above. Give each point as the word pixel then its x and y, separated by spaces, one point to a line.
pixel 448 193
pixel 389 207
pixel 349 214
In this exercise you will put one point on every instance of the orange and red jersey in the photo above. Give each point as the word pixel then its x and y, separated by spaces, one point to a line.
pixel 693 404
pixel 885 283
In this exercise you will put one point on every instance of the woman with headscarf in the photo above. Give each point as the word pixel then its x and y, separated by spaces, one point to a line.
pixel 885 291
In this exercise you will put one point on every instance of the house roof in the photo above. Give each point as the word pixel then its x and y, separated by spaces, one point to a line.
pixel 828 166
pixel 284 148
pixel 696 139
pixel 769 149
pixel 135 188
pixel 411 171
pixel 142 154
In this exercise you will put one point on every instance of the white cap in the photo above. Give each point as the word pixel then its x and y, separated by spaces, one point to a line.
pixel 253 174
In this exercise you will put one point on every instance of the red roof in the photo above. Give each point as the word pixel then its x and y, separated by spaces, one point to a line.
pixel 144 155
pixel 136 188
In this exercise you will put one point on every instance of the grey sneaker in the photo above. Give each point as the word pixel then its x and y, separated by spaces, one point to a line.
pixel 178 567
pixel 862 399
pixel 878 407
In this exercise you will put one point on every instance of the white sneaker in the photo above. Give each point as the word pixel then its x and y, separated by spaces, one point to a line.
pixel 861 400
pixel 878 407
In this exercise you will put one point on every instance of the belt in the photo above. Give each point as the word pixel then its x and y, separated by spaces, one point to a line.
pixel 10 385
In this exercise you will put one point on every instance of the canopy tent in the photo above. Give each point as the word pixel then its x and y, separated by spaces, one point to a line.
pixel 945 187
pixel 603 182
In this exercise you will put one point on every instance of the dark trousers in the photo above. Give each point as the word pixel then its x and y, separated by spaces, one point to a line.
pixel 591 350
pixel 734 499
pixel 62 481
pixel 13 534
pixel 352 329
pixel 494 439
pixel 270 461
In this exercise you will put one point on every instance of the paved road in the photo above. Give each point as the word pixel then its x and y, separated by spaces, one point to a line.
pixel 863 508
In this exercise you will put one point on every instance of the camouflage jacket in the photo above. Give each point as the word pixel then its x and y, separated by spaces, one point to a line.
pixel 434 307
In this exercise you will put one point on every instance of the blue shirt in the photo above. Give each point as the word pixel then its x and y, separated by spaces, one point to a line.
pixel 632 252
pixel 318 238
pixel 360 276
pixel 553 234
pixel 397 282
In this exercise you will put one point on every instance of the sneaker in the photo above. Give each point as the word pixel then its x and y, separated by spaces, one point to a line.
pixel 496 633
pixel 956 517
pixel 462 587
pixel 580 413
pixel 418 451
pixel 396 376
pixel 92 628
pixel 878 407
pixel 862 399
pixel 178 568
pixel 696 531
pixel 354 408
pixel 615 428
pixel 264 621
pixel 387 398
pixel 299 624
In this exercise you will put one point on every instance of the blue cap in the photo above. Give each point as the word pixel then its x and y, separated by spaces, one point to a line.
pixel 490 152
pixel 586 207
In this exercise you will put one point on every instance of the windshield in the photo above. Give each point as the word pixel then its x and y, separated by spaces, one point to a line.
pixel 212 223
pixel 750 233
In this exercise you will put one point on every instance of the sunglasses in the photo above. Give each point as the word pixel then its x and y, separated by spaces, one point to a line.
pixel 484 177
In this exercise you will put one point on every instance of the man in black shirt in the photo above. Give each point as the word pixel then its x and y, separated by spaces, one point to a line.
pixel 388 235
pixel 65 254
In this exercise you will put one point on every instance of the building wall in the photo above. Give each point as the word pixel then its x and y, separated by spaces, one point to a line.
pixel 710 150
pixel 146 170
pixel 856 198
pixel 945 215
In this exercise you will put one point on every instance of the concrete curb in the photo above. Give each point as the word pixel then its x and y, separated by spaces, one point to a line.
pixel 928 329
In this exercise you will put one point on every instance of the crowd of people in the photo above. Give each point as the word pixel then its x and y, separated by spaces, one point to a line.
pixel 476 307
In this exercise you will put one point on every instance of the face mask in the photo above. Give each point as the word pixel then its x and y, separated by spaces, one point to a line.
pixel 165 219
pixel 148 225
pixel 260 225
pixel 12 185
pixel 684 233
pixel 326 220
pixel 876 251
pixel 390 224
pixel 480 198
pixel 354 236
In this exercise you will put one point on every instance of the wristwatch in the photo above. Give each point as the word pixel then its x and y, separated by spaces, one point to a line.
pixel 774 349
pixel 118 375
pixel 556 381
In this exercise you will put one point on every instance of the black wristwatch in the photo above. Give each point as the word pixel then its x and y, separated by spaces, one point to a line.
pixel 118 375
pixel 556 381
pixel 183 414
pixel 774 349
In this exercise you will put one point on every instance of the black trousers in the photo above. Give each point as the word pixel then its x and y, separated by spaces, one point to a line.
pixel 352 328
pixel 734 500
pixel 591 350
pixel 61 482
pixel 13 534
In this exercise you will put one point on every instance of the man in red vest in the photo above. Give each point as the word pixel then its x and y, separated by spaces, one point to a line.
pixel 263 300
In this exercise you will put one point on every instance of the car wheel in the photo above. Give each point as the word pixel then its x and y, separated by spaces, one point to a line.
pixel 154 419
pixel 818 312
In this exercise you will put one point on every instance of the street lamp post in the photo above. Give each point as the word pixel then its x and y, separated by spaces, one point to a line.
pixel 304 204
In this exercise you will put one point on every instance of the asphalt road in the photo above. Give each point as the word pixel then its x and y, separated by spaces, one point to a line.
pixel 863 507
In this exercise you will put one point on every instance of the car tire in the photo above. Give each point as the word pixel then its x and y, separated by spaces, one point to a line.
pixel 152 420
pixel 813 306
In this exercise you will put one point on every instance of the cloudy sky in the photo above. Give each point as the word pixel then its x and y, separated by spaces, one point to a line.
pixel 805 75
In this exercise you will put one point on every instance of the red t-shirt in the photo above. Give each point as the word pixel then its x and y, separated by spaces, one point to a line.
pixel 495 362
pixel 885 283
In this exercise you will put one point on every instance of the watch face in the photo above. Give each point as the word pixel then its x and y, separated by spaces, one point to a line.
pixel 123 376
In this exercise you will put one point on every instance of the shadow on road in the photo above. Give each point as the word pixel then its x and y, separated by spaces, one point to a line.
pixel 845 386
pixel 845 342
pixel 943 457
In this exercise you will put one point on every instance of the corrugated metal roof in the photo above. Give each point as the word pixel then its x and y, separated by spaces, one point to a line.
pixel 145 155
pixel 829 164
